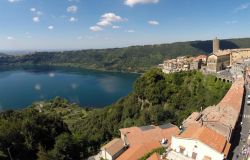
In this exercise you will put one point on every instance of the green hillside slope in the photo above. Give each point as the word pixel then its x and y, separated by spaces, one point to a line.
pixel 129 59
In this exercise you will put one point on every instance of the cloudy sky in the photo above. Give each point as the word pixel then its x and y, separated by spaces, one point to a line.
pixel 82 24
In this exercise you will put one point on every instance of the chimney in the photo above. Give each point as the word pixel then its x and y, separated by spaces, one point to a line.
pixel 126 140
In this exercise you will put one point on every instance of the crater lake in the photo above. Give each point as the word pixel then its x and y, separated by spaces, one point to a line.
pixel 20 87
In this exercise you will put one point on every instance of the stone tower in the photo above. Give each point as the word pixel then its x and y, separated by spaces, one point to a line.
pixel 216 45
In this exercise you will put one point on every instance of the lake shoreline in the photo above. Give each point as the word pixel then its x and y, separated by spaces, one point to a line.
pixel 88 88
pixel 71 66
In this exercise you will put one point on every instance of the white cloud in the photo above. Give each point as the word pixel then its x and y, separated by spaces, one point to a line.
pixel 116 27
pixel 153 22
pixel 50 27
pixel 73 19
pixel 72 9
pixel 36 19
pixel 109 18
pixel 95 28
pixel 242 7
pixel 32 9
pixel 104 23
pixel 36 14
pixel 13 1
pixel 130 31
pixel 10 38
pixel 131 3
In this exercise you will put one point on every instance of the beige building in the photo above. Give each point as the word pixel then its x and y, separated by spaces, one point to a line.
pixel 218 61
pixel 221 59
pixel 239 55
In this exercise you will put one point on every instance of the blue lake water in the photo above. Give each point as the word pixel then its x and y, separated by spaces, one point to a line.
pixel 19 87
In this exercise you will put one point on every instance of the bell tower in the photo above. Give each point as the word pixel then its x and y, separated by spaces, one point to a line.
pixel 216 45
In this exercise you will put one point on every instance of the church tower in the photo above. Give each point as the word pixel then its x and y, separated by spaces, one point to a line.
pixel 216 45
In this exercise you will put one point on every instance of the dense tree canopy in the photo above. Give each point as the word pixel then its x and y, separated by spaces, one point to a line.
pixel 157 98
pixel 60 130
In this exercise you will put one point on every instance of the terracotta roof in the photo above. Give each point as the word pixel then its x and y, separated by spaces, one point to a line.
pixel 154 156
pixel 227 149
pixel 206 136
pixel 141 135
pixel 230 51
pixel 199 57
pixel 138 151
pixel 222 53
pixel 114 146
pixel 234 96
pixel 223 117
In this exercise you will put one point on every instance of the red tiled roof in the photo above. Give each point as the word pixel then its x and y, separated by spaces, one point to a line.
pixel 138 151
pixel 154 156
pixel 137 136
pixel 206 136
pixel 144 139
pixel 199 57
pixel 234 96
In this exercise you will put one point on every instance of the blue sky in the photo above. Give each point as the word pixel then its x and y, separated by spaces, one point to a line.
pixel 83 24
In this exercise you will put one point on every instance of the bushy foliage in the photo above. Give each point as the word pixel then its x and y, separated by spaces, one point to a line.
pixel 159 151
pixel 157 98
pixel 34 135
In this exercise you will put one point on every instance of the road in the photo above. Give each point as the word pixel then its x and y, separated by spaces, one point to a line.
pixel 243 131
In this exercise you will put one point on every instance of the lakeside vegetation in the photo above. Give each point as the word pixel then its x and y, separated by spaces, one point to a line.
pixel 129 59
pixel 57 129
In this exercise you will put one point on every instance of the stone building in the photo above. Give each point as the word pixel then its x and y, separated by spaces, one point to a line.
pixel 221 59
pixel 218 61
pixel 239 55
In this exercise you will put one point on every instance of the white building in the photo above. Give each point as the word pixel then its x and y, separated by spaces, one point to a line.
pixel 199 143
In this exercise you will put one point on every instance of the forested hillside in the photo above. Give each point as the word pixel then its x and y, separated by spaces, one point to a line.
pixel 59 130
pixel 3 55
pixel 129 59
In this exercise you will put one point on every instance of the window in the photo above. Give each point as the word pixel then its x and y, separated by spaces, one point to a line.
pixel 194 155
pixel 182 149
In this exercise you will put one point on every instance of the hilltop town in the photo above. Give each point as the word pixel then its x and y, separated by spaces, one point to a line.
pixel 215 133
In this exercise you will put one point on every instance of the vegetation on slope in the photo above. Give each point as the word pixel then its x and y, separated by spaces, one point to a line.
pixel 3 55
pixel 59 130
pixel 129 59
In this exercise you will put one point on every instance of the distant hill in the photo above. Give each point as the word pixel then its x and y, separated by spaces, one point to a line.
pixel 129 59
pixel 3 55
